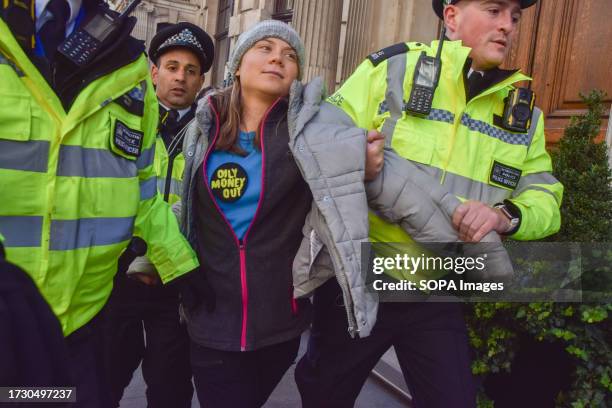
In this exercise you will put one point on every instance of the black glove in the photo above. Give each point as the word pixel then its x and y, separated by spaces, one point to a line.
pixel 137 247
pixel 195 289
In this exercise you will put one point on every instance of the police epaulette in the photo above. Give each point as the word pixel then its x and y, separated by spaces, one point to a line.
pixel 379 56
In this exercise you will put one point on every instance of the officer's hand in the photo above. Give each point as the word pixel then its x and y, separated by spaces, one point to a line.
pixel 474 220
pixel 196 290
pixel 374 154
pixel 147 279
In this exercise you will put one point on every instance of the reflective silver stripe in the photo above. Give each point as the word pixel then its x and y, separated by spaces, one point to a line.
pixel 535 118
pixel 161 184
pixel 465 187
pixel 176 186
pixel 441 115
pixel 542 189
pixel 88 232
pixel 394 97
pixel 535 181
pixel 536 178
pixel 77 161
pixel 146 158
pixel 148 188
pixel 32 155
pixel 495 132
pixel 21 231
pixel 475 190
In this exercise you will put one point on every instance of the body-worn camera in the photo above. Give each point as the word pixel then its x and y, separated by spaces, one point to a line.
pixel 519 109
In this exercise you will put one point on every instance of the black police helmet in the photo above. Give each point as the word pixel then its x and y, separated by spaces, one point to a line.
pixel 438 5
pixel 183 35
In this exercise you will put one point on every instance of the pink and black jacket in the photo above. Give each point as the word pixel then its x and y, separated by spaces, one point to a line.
pixel 252 277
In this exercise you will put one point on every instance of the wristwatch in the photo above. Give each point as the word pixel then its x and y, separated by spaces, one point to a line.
pixel 512 213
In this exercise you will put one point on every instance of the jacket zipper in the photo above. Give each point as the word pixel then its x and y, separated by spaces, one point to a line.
pixel 171 158
pixel 351 318
pixel 240 244
pixel 172 155
pixel 245 295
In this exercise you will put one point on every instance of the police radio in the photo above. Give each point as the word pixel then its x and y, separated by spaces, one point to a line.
pixel 82 46
pixel 425 81
pixel 518 110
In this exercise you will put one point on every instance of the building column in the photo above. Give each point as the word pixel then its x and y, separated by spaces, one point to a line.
pixel 368 27
pixel 355 37
pixel 317 22
pixel 144 29
pixel 246 14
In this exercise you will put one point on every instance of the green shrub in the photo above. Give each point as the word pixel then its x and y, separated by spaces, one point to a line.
pixel 584 329
pixel 582 166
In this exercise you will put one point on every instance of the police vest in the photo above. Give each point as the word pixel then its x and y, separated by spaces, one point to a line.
pixel 458 143
pixel 169 183
pixel 76 186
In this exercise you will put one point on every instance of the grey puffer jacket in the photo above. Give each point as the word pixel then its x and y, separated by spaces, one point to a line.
pixel 330 154
pixel 406 194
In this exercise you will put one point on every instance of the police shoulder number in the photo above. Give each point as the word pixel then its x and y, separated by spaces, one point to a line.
pixel 386 53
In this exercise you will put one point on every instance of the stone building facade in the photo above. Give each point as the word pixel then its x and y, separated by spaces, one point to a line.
pixel 338 34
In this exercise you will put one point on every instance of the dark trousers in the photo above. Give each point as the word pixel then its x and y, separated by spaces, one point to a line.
pixel 430 340
pixel 142 324
pixel 33 350
pixel 86 362
pixel 233 379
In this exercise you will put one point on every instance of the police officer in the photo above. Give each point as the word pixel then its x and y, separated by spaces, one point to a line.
pixel 464 143
pixel 77 179
pixel 181 54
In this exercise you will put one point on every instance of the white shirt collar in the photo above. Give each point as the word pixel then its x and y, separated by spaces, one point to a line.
pixel 472 70
pixel 181 112
pixel 43 15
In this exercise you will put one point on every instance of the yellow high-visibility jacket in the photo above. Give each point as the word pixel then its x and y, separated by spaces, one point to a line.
pixel 458 143
pixel 162 163
pixel 76 186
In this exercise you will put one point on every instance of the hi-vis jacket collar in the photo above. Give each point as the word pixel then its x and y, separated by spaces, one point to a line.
pixel 455 51
pixel 84 105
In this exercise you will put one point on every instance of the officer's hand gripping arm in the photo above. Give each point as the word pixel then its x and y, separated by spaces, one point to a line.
pixel 404 194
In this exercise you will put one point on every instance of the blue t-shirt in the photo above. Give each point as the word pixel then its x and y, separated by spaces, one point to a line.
pixel 235 181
